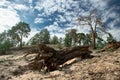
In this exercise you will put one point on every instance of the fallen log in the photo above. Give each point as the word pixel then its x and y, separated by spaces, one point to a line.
pixel 79 51
pixel 50 59
pixel 112 45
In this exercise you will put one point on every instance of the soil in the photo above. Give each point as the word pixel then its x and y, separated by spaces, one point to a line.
pixel 103 66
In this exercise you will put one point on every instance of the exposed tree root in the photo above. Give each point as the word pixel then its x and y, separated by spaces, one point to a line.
pixel 49 59
pixel 111 46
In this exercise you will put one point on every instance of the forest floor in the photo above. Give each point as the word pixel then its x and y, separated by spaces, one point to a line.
pixel 103 66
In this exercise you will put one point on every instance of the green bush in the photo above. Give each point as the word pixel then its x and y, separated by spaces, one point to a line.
pixel 59 46
pixel 67 40
pixel 5 47
pixel 100 45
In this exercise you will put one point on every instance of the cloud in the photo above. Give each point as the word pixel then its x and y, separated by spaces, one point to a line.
pixel 61 18
pixel 54 5
pixel 99 4
pixel 9 13
pixel 60 32
pixel 4 3
pixel 8 19
pixel 55 28
pixel 32 33
pixel 30 1
pixel 59 35
pixel 20 7
pixel 17 6
pixel 72 9
pixel 38 20
pixel 43 4
pixel 58 15
pixel 116 33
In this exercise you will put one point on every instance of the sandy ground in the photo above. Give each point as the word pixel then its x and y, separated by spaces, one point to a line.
pixel 104 66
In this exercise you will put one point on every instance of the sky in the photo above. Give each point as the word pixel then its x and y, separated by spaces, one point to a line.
pixel 58 15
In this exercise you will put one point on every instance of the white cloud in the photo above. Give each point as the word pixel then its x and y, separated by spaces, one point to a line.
pixel 30 1
pixel 56 30
pixel 4 3
pixel 38 20
pixel 62 35
pixel 50 6
pixel 32 33
pixel 20 7
pixel 99 4
pixel 60 32
pixel 116 33
pixel 8 19
pixel 46 4
pixel 8 4
pixel 9 15
pixel 109 13
pixel 41 14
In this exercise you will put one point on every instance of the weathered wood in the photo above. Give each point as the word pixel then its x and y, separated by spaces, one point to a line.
pixel 111 45
pixel 79 51
pixel 50 58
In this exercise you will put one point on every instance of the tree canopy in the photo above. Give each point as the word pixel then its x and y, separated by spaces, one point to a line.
pixel 19 31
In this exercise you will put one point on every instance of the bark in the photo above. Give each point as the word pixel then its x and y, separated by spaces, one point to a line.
pixel 21 42
pixel 51 59
pixel 111 46
pixel 93 40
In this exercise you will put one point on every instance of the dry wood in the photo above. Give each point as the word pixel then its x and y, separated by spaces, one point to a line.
pixel 49 59
pixel 112 45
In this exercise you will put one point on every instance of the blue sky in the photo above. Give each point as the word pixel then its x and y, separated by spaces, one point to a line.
pixel 58 15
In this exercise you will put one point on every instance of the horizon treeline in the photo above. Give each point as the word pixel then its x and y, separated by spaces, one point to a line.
pixel 14 36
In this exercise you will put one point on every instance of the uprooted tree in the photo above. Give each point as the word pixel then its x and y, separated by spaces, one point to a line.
pixel 111 45
pixel 50 59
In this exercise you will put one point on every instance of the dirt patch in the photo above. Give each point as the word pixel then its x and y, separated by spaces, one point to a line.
pixel 104 66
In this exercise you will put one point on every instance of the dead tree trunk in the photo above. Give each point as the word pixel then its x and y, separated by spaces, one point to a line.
pixel 51 59
pixel 79 51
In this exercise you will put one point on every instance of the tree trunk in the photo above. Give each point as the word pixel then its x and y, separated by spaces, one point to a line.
pixel 50 58
pixel 93 40
pixel 21 42
pixel 77 53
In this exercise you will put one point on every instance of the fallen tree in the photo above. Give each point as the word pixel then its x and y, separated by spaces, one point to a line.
pixel 49 59
pixel 112 45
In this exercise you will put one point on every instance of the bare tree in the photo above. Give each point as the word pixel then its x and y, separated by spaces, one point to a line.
pixel 93 21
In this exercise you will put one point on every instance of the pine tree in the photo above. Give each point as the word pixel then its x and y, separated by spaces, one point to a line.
pixel 67 40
